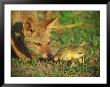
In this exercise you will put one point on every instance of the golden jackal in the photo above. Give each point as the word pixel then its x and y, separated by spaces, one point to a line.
pixel 34 35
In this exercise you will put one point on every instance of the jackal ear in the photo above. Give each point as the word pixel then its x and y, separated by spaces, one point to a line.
pixel 51 23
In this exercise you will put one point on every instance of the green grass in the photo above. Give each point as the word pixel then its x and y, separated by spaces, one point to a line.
pixel 89 32
pixel 22 68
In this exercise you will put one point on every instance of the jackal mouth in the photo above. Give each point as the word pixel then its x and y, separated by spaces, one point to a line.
pixel 48 58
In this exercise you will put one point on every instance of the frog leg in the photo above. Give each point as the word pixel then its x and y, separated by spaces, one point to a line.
pixel 73 64
pixel 80 60
pixel 69 63
pixel 83 59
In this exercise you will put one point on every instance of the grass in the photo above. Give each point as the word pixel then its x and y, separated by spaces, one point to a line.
pixel 89 32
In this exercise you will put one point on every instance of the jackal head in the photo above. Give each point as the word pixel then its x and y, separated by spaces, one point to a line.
pixel 37 36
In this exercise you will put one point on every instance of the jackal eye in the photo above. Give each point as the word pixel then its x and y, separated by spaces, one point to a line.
pixel 38 44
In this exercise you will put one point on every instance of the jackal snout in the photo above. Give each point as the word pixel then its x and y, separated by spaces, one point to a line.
pixel 44 50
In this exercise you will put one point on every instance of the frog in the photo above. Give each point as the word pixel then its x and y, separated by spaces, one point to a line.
pixel 72 54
